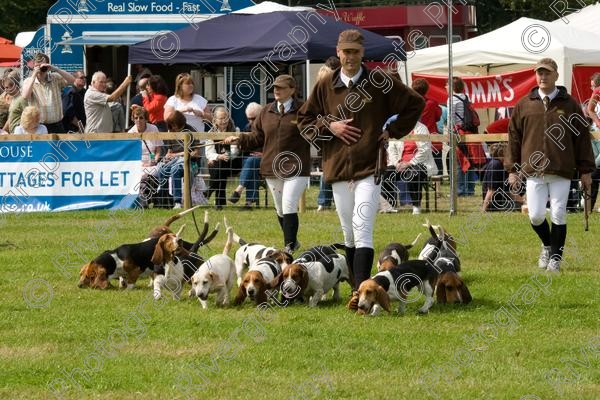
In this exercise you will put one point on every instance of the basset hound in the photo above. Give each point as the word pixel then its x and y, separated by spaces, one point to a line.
pixel 185 246
pixel 249 254
pixel 451 289
pixel 312 278
pixel 394 254
pixel 173 270
pixel 261 277
pixel 215 275
pixel 374 294
pixel 442 245
pixel 129 261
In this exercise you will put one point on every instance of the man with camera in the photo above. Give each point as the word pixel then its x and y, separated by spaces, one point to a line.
pixel 43 90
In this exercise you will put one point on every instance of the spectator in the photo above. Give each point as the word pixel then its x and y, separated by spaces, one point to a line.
pixel 414 164
pixel 498 126
pixel 141 72
pixel 192 105
pixel 494 184
pixel 96 101
pixel 154 99
pixel 171 164
pixel 466 175
pixel 138 99
pixel 596 173
pixel 593 108
pixel 30 122
pixel 116 108
pixel 250 173
pixel 151 150
pixel 72 103
pixel 12 97
pixel 3 116
pixel 430 116
pixel 223 160
pixel 43 90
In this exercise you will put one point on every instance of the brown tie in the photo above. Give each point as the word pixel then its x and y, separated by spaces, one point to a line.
pixel 546 102
pixel 350 84
pixel 282 109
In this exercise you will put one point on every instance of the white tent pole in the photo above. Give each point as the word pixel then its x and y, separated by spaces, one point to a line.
pixel 449 120
pixel 128 99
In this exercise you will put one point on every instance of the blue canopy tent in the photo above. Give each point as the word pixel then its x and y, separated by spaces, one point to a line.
pixel 237 38
pixel 267 38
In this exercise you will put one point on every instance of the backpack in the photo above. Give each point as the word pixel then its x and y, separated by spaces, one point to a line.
pixel 471 122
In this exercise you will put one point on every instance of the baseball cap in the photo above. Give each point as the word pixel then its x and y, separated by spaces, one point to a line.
pixel 546 63
pixel 350 39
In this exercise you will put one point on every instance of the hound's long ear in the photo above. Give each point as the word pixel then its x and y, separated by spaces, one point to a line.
pixel 217 281
pixel 304 280
pixel 101 279
pixel 277 281
pixel 383 299
pixel 241 295
pixel 158 257
pixel 464 293
pixel 440 291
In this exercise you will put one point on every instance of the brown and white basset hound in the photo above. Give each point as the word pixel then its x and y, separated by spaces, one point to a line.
pixel 451 289
pixel 261 277
pixel 160 230
pixel 248 255
pixel 129 261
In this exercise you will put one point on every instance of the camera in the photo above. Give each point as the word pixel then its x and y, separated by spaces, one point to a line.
pixel 44 68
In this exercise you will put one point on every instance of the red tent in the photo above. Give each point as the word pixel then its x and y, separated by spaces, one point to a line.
pixel 9 53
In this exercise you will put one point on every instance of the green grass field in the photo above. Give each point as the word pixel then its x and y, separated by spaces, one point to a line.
pixel 525 335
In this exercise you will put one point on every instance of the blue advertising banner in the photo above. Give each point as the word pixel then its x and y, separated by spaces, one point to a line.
pixel 69 175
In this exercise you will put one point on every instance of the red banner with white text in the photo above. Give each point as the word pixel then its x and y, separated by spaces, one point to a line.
pixel 502 90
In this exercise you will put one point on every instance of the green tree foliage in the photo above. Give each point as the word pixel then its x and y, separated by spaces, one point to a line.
pixel 19 16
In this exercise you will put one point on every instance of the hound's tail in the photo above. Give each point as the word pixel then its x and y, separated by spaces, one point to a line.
pixel 235 237
pixel 229 241
pixel 413 243
pixel 175 217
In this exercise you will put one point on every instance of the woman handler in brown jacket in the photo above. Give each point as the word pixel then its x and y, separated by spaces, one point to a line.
pixel 286 155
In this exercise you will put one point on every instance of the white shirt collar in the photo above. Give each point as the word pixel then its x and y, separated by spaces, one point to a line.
pixel 551 95
pixel 347 79
pixel 287 105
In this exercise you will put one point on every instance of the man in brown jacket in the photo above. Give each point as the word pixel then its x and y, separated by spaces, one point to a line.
pixel 345 115
pixel 548 142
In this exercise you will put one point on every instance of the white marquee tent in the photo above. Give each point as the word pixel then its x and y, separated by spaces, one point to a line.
pixel 585 19
pixel 515 46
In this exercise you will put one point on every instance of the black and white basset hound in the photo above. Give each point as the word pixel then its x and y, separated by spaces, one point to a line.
pixel 394 254
pixel 313 274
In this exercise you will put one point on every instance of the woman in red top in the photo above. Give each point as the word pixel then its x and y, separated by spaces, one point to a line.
pixel 592 112
pixel 154 99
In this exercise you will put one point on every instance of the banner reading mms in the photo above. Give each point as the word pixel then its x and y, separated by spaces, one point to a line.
pixel 501 90
pixel 69 175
